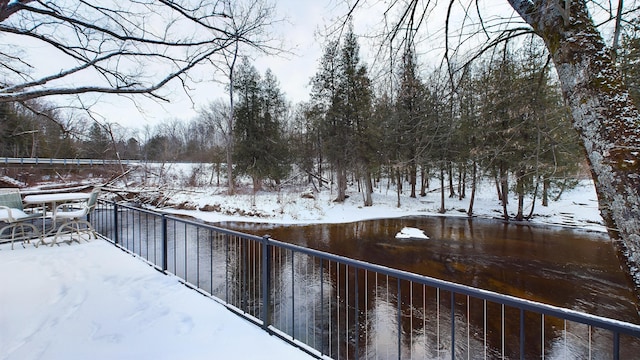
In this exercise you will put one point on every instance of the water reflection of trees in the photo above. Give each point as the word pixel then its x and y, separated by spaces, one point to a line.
pixel 316 302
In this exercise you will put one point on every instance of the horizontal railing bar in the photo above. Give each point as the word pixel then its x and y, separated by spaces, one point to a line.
pixel 54 161
pixel 86 161
pixel 193 222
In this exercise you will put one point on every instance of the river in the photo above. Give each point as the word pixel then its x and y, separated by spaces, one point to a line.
pixel 553 265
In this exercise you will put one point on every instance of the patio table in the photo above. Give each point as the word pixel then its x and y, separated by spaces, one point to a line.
pixel 53 200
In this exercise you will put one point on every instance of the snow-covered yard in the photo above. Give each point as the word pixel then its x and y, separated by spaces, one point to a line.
pixel 94 301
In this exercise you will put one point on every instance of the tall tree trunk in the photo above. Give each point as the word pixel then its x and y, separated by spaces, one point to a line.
pixel 398 185
pixel 320 182
pixel 341 178
pixel 603 113
pixel 452 191
pixel 520 190
pixel 533 201
pixel 257 184
pixel 368 188
pixel 504 191
pixel 545 191
pixel 462 182
pixel 442 208
pixel 413 171
pixel 472 199
pixel 424 182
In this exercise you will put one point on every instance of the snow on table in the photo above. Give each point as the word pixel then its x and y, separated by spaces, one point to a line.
pixel 56 198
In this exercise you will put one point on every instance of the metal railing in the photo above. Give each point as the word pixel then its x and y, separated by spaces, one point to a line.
pixel 341 308
pixel 90 162
pixel 54 161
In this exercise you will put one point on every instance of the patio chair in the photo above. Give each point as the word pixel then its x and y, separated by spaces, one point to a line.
pixel 74 215
pixel 19 223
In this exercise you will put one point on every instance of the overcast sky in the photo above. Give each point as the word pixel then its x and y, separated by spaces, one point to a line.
pixel 293 70
pixel 305 21
pixel 300 32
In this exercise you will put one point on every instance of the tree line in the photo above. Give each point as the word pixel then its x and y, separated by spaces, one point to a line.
pixel 504 120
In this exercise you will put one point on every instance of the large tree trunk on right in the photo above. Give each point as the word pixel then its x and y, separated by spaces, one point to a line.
pixel 603 113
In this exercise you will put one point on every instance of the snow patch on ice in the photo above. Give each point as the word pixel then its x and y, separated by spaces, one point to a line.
pixel 411 233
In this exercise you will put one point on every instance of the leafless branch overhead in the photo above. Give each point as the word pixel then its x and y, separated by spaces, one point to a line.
pixel 120 47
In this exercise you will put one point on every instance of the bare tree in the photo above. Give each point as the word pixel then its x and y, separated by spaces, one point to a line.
pixel 240 13
pixel 219 116
pixel 120 47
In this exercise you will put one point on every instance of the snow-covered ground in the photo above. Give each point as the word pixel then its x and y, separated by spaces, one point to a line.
pixel 577 207
pixel 93 301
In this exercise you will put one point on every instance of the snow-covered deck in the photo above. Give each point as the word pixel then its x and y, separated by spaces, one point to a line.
pixel 94 301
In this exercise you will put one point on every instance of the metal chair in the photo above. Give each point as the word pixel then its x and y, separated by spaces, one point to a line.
pixel 13 213
pixel 74 215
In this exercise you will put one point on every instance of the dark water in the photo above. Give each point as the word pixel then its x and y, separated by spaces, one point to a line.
pixel 558 266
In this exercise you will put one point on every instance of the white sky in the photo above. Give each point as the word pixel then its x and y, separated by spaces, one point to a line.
pixel 294 71
pixel 304 19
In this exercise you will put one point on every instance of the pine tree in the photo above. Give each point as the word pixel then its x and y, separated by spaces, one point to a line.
pixel 354 94
pixel 260 151
pixel 342 94
pixel 411 114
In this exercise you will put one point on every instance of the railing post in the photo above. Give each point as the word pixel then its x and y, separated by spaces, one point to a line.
pixel 116 225
pixel 165 246
pixel 453 325
pixel 266 281
pixel 399 317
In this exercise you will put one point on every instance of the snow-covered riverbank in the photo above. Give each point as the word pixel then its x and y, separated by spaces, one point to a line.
pixel 576 208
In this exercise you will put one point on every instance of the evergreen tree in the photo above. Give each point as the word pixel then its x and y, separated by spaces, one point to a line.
pixel 323 95
pixel 274 110
pixel 342 94
pixel 98 143
pixel 260 151
pixel 354 94
pixel 411 115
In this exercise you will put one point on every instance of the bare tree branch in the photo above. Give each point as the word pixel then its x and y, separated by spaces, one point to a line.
pixel 127 47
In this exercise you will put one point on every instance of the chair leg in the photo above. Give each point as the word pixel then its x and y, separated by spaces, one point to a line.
pixel 75 228
pixel 89 229
pixel 22 231
pixel 8 227
pixel 58 233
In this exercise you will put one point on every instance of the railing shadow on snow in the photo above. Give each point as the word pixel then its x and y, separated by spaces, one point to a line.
pixel 336 307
